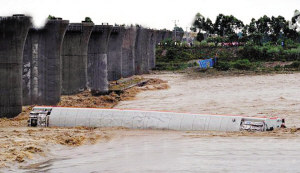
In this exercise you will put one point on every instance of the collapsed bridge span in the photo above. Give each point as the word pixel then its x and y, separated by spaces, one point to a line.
pixel 138 119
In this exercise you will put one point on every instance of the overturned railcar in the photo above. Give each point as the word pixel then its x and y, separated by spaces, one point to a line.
pixel 138 119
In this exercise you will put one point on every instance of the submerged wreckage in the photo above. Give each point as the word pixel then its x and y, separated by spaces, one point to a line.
pixel 138 119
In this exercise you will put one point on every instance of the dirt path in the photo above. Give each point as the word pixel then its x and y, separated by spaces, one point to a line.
pixel 261 95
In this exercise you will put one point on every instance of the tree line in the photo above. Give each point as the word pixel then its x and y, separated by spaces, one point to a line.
pixel 263 30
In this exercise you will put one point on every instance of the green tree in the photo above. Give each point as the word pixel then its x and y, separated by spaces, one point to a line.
pixel 200 36
pixel 178 29
pixel 203 25
pixel 88 19
pixel 225 25
pixel 295 17
pixel 293 33
pixel 252 26
pixel 51 17
pixel 262 25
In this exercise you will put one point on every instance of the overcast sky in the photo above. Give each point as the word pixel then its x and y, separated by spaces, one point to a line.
pixel 157 14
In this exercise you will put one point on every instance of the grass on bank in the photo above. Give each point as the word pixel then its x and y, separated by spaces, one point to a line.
pixel 250 57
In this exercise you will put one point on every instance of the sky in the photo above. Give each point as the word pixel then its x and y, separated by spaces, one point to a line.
pixel 156 14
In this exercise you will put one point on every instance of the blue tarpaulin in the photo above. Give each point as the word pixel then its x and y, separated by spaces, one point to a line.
pixel 206 63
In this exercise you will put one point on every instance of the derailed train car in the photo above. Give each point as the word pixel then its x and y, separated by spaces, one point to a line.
pixel 138 119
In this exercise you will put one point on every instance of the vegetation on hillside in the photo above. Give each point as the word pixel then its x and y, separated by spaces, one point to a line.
pixel 267 39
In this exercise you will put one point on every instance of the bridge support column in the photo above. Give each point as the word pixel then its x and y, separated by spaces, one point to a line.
pixel 42 59
pixel 74 57
pixel 97 59
pixel 13 32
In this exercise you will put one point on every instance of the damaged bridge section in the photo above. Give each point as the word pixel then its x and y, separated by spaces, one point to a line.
pixel 157 120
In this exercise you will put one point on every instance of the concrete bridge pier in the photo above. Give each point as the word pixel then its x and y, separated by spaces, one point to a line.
pixel 159 36
pixel 138 51
pixel 114 54
pixel 97 59
pixel 74 57
pixel 42 55
pixel 168 35
pixel 164 35
pixel 128 54
pixel 146 51
pixel 13 32
pixel 142 51
pixel 152 48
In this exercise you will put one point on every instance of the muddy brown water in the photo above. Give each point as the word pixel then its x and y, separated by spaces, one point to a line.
pixel 170 151
pixel 166 151
pixel 262 95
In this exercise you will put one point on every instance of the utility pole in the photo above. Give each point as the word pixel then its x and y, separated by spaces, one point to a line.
pixel 175 28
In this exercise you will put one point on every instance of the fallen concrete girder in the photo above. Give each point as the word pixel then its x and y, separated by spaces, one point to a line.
pixel 97 59
pixel 42 58
pixel 74 57
pixel 138 119
pixel 13 32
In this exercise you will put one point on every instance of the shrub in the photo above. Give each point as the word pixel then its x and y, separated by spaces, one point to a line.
pixel 227 55
pixel 171 66
pixel 277 68
pixel 224 66
pixel 203 44
pixel 292 54
pixel 268 52
pixel 252 53
pixel 196 44
pixel 242 64
pixel 295 64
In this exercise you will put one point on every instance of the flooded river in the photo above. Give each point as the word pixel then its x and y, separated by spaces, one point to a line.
pixel 167 151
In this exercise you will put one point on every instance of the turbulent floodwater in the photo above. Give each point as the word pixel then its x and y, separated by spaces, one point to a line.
pixel 264 95
pixel 163 151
